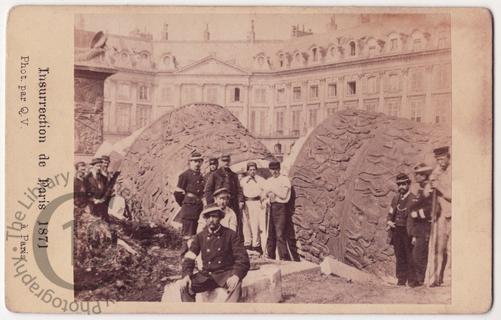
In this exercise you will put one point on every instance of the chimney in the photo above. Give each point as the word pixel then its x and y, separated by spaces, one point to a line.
pixel 206 33
pixel 251 36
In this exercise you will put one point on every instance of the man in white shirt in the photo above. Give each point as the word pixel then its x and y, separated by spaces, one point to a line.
pixel 278 192
pixel 221 200
pixel 254 214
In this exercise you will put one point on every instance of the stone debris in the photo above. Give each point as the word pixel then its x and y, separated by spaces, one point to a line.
pixel 334 267
pixel 344 179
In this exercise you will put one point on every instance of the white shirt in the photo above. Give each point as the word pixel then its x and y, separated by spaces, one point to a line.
pixel 252 187
pixel 280 186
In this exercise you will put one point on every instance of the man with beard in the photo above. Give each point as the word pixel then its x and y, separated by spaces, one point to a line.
pixel 224 259
pixel 188 195
pixel 441 181
pixel 95 186
pixel 224 177
pixel 398 222
pixel 222 198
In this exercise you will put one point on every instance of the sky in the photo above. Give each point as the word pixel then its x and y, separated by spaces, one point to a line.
pixel 221 26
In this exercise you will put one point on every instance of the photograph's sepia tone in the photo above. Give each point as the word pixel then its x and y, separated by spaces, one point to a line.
pixel 278 158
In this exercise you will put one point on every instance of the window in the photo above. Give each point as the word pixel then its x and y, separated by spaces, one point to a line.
pixel 236 94
pixel 417 109
pixel 314 92
pixel 144 93
pixel 212 94
pixel 442 76
pixel 393 83
pixel 417 80
pixel 167 60
pixel 371 105
pixel 331 108
pixel 333 51
pixel 332 89
pixel 123 117
pixel 296 122
pixel 394 44
pixel 353 51
pixel 123 91
pixel 312 118
pixel 296 93
pixel 393 107
pixel 297 58
pixel 262 122
pixel 252 121
pixel 281 61
pixel 352 88
pixel 166 93
pixel 372 85
pixel 281 95
pixel 260 61
pixel 260 95
pixel 143 116
pixel 280 122
pixel 442 40
pixel 372 52
pixel 190 94
pixel 442 108
pixel 417 44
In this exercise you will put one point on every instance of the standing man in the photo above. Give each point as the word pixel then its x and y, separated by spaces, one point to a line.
pixel 441 181
pixel 278 192
pixel 95 185
pixel 421 222
pixel 224 260
pixel 80 199
pixel 189 193
pixel 398 221
pixel 224 177
pixel 254 213
pixel 213 165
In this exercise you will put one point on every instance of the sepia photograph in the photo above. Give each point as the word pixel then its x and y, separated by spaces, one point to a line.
pixel 263 158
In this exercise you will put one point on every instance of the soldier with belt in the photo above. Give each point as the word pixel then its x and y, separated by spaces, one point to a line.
pixel 224 258
pixel 398 223
pixel 189 193
pixel 421 222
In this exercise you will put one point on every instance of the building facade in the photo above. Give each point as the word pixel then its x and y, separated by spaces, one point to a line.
pixel 279 89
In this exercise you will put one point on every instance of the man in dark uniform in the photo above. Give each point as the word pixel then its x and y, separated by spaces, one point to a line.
pixel 224 258
pixel 80 199
pixel 189 193
pixel 421 222
pixel 95 185
pixel 224 177
pixel 398 221
pixel 213 165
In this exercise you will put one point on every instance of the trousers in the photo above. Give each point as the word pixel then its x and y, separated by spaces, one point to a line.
pixel 402 244
pixel 420 251
pixel 254 219
pixel 201 283
pixel 439 256
pixel 277 232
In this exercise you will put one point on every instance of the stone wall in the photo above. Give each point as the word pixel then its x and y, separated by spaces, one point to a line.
pixel 344 178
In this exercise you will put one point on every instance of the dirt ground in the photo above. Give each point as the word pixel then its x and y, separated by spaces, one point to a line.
pixel 313 287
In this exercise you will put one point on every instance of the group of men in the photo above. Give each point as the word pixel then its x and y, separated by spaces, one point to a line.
pixel 225 217
pixel 420 223
pixel 257 209
pixel 93 186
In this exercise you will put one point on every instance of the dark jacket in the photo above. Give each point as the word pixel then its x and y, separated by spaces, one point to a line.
pixel 95 186
pixel 80 198
pixel 400 212
pixel 224 178
pixel 223 255
pixel 422 206
pixel 189 193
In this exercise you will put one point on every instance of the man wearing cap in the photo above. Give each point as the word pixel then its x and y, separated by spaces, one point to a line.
pixel 421 212
pixel 229 220
pixel 224 177
pixel 80 199
pixel 254 213
pixel 224 260
pixel 278 192
pixel 399 224
pixel 441 182
pixel 95 186
pixel 189 193
pixel 213 165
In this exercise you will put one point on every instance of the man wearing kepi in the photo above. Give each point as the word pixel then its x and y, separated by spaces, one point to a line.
pixel 278 191
pixel 189 193
pixel 224 258
pixel 421 222
pixel 441 182
pixel 254 212
pixel 398 221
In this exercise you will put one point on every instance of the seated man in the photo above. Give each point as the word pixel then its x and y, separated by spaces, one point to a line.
pixel 224 258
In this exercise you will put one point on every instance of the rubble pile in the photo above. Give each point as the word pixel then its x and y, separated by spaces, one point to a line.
pixel 151 167
pixel 344 179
